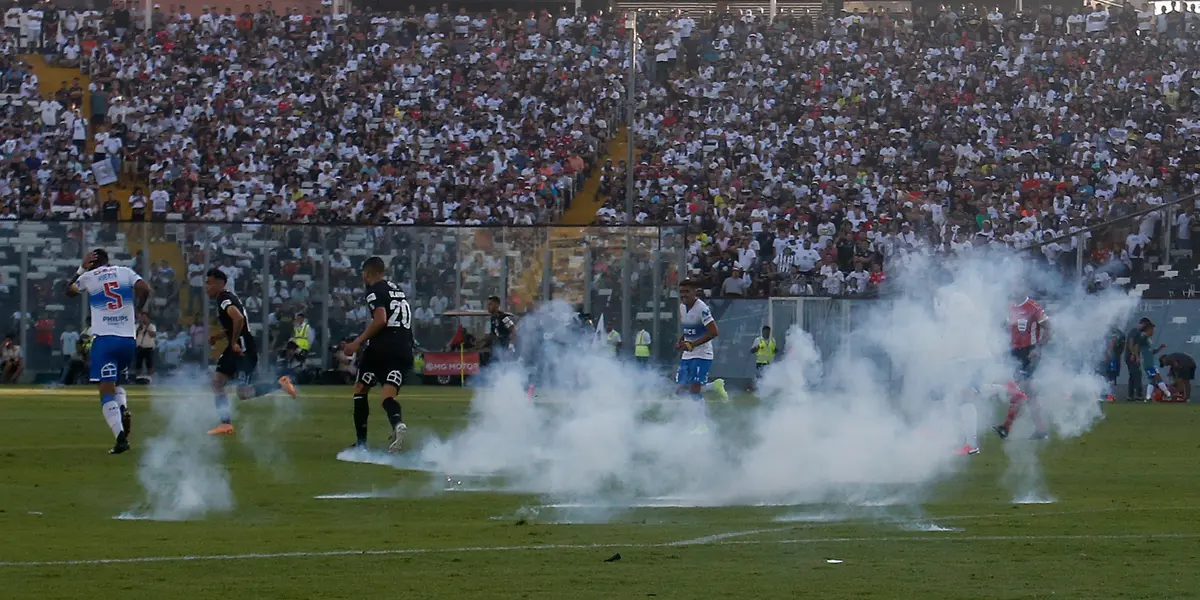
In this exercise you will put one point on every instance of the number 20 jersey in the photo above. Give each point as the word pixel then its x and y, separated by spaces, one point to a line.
pixel 110 296
pixel 396 335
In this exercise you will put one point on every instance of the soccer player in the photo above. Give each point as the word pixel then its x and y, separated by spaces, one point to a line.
pixel 111 294
pixel 1112 359
pixel 1141 341
pixel 1183 371
pixel 240 358
pixel 387 355
pixel 501 329
pixel 1029 328
pixel 699 329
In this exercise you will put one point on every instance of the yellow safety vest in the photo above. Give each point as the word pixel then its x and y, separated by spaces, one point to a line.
pixel 300 336
pixel 766 351
pixel 612 337
pixel 642 349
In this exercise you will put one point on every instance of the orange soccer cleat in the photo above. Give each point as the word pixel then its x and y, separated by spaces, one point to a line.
pixel 222 429
pixel 285 384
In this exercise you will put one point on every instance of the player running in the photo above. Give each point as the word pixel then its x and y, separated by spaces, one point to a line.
pixel 387 353
pixel 1030 329
pixel 1145 357
pixel 111 294
pixel 699 329
pixel 240 358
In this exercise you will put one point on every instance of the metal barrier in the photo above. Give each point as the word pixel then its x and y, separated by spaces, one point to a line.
pixel 280 271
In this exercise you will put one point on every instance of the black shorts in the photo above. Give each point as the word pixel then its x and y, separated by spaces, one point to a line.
pixel 143 357
pixel 239 367
pixel 1187 373
pixel 384 366
pixel 1026 362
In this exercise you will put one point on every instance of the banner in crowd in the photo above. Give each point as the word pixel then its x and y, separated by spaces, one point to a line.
pixel 104 172
pixel 451 363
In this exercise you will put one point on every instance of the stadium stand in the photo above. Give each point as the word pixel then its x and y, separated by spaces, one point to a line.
pixel 804 155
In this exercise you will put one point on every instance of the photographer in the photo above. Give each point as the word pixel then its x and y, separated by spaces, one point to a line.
pixel 77 366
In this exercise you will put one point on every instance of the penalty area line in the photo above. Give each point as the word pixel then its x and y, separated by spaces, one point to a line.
pixel 718 541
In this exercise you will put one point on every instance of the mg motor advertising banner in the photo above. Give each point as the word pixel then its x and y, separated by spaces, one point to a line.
pixel 451 363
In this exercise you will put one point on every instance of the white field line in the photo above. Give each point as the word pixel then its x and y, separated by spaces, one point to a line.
pixel 530 548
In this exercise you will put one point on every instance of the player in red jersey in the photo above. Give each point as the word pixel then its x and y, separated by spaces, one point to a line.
pixel 1029 328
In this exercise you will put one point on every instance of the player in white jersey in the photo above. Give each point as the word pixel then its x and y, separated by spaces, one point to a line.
pixel 699 329
pixel 115 295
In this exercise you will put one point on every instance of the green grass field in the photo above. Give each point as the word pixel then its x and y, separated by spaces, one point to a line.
pixel 1126 524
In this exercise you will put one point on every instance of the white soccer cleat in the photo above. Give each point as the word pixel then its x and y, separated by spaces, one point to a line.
pixel 397 438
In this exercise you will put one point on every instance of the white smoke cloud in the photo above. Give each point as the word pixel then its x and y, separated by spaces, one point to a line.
pixel 181 467
pixel 874 421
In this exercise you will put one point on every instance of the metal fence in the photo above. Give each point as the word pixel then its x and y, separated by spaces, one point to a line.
pixel 280 271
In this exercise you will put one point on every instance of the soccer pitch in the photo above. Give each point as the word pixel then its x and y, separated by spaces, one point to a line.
pixel 1124 524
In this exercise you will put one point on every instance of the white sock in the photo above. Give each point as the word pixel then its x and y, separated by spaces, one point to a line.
pixel 122 399
pixel 1149 390
pixel 1162 385
pixel 970 423
pixel 112 414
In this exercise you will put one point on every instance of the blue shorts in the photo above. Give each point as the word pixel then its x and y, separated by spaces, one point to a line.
pixel 693 371
pixel 111 357
pixel 1151 372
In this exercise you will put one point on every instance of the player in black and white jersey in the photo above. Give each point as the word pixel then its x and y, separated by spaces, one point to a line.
pixel 387 352
pixel 239 360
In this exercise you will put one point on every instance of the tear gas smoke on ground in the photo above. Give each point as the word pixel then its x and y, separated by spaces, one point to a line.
pixel 874 417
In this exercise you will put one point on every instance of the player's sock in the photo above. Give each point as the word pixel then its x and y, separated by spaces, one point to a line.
pixel 1162 385
pixel 1149 391
pixel 970 423
pixel 392 408
pixel 122 398
pixel 222 402
pixel 112 413
pixel 362 410
pixel 1015 399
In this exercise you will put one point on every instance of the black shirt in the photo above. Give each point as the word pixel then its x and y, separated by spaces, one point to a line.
pixel 1180 361
pixel 397 329
pixel 224 300
pixel 501 328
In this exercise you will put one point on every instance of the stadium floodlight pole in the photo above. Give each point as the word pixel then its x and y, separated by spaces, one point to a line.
pixel 630 138
pixel 146 18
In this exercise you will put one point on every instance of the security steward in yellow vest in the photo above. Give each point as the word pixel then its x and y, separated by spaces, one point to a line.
pixel 300 333
pixel 641 345
pixel 763 350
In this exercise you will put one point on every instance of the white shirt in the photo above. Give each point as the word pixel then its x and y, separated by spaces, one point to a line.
pixel 146 336
pixel 69 339
pixel 110 295
pixel 694 322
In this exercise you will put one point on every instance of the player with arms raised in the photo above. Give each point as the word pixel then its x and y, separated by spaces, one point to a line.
pixel 239 360
pixel 111 292
pixel 699 329
pixel 1030 329
pixel 387 353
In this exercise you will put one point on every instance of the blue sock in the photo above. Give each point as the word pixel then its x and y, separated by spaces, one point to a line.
pixel 223 408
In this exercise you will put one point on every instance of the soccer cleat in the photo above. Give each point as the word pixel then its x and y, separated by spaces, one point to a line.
pixel 356 447
pixel 967 450
pixel 1039 435
pixel 127 421
pixel 1001 431
pixel 719 387
pixel 285 384
pixel 222 429
pixel 397 438
pixel 122 444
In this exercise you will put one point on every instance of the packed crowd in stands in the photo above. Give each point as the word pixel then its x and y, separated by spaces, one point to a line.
pixel 803 156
